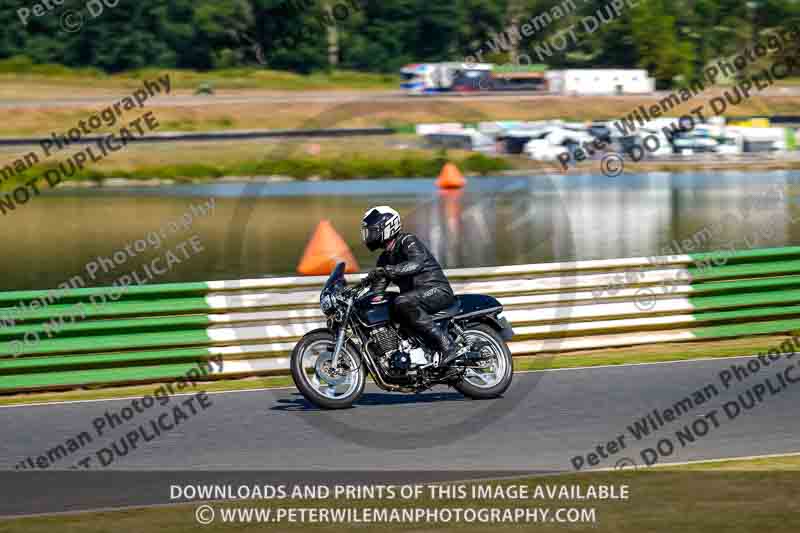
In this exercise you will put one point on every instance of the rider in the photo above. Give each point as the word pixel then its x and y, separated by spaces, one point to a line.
pixel 424 288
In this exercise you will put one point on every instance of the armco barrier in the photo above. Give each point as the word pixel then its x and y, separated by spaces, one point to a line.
pixel 216 136
pixel 159 332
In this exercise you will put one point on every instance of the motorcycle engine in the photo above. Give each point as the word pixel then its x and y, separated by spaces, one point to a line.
pixel 386 339
pixel 399 363
pixel 396 363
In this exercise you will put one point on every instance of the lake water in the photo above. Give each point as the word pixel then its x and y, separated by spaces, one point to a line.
pixel 261 229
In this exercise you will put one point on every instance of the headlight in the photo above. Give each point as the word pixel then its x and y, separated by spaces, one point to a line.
pixel 326 303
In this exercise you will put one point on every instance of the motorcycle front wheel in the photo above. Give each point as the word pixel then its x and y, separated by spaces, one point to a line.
pixel 318 381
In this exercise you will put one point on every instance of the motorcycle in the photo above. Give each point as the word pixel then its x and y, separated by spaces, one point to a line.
pixel 330 365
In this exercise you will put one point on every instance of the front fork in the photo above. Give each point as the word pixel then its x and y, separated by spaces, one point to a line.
pixel 341 336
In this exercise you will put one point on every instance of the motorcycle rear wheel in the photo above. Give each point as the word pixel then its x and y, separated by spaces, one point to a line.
pixel 494 378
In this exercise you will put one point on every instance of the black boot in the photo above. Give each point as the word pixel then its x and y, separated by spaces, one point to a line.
pixel 443 343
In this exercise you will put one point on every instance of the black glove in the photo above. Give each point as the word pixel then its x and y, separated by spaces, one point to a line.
pixel 379 274
pixel 389 271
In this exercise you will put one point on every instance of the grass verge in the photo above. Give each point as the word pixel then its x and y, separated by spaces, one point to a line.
pixel 591 358
pixel 248 109
pixel 401 155
pixel 335 168
pixel 21 69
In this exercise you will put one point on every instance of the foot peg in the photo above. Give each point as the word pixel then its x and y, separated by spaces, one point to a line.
pixel 472 354
pixel 452 357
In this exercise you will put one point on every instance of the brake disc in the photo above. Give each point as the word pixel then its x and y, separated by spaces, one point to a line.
pixel 326 372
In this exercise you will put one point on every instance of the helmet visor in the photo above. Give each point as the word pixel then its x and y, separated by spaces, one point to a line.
pixel 371 235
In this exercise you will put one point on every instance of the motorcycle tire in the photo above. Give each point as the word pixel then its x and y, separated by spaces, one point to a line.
pixel 470 390
pixel 301 378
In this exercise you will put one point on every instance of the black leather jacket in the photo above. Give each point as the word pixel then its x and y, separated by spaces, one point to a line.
pixel 412 266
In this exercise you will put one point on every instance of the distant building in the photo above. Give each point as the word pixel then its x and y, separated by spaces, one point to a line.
pixel 599 81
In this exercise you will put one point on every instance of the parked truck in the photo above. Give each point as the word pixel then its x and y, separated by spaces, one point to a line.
pixel 427 78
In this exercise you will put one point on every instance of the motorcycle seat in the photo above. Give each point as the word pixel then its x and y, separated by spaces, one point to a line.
pixel 448 312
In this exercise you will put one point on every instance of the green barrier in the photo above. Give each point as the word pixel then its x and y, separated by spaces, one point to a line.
pixel 66 328
pixel 80 362
pixel 59 380
pixel 53 340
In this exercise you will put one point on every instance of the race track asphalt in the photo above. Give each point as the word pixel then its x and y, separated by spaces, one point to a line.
pixel 267 97
pixel 543 422
pixel 287 97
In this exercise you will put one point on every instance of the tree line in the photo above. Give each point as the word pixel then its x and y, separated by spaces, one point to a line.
pixel 673 39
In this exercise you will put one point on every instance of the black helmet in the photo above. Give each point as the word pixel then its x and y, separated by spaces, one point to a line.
pixel 379 225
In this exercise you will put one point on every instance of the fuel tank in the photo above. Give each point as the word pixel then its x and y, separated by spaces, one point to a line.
pixel 373 308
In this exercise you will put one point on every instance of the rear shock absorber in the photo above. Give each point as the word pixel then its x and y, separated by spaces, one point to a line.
pixel 459 334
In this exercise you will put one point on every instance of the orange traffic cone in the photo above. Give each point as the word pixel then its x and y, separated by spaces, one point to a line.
pixel 324 250
pixel 450 177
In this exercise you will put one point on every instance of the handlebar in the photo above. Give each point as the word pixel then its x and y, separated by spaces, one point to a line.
pixel 364 282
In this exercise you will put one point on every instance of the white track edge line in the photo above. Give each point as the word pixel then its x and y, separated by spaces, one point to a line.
pixel 697 360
